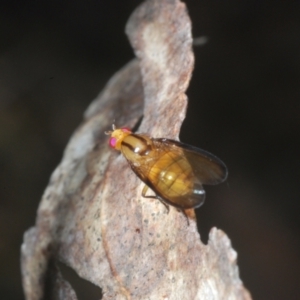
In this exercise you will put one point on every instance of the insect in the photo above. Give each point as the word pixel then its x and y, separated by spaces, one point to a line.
pixel 174 171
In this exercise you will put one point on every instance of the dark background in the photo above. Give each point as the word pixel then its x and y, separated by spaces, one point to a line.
pixel 244 107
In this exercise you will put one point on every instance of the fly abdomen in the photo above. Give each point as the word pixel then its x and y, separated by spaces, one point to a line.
pixel 172 175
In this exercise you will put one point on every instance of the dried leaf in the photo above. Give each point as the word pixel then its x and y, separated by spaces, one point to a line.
pixel 92 216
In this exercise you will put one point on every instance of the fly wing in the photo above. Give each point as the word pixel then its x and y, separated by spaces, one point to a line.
pixel 207 168
pixel 193 199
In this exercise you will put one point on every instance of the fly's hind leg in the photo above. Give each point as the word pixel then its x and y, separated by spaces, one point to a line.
pixel 184 213
pixel 145 188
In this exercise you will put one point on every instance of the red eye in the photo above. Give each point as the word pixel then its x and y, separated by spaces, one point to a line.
pixel 112 142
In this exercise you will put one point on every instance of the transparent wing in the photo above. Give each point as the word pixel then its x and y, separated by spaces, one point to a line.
pixel 208 169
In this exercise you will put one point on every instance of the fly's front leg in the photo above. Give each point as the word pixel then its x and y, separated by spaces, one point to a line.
pixel 144 191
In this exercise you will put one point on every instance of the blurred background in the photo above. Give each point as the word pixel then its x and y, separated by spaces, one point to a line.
pixel 56 56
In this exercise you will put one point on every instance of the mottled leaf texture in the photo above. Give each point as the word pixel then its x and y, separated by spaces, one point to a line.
pixel 92 216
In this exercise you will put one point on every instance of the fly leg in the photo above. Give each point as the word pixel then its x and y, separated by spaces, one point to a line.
pixel 145 188
pixel 144 191
pixel 184 213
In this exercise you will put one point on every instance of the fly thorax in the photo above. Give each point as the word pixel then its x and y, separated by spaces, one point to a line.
pixel 136 146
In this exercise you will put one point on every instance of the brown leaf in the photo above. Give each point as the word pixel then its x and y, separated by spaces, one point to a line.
pixel 92 216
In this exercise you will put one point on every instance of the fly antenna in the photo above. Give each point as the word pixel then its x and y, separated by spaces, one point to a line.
pixel 109 132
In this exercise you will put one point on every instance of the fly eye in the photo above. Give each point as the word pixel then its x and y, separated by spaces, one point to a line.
pixel 125 129
pixel 112 142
